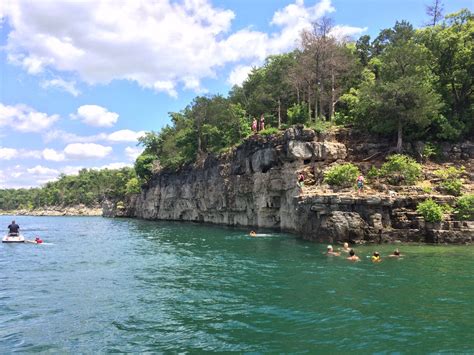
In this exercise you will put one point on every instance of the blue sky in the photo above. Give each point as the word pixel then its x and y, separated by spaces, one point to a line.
pixel 80 81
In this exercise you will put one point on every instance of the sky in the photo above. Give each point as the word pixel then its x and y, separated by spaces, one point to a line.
pixel 81 80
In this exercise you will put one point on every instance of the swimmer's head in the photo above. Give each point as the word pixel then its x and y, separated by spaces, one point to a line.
pixel 346 245
pixel 329 247
pixel 352 252
pixel 376 253
pixel 396 252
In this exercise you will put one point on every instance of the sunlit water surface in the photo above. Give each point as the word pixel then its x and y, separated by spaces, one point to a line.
pixel 117 285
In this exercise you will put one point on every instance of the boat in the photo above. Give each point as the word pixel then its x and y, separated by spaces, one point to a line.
pixel 13 239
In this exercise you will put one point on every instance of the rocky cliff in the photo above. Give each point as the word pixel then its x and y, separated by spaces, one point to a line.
pixel 254 186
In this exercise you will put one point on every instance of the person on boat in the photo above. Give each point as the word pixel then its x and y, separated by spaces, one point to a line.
pixel 253 234
pixel 396 254
pixel 376 257
pixel 330 251
pixel 13 229
pixel 352 256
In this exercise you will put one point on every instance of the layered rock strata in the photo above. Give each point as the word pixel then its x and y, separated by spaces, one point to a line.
pixel 255 186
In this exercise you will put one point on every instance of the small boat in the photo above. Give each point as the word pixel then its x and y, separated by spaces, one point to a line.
pixel 13 239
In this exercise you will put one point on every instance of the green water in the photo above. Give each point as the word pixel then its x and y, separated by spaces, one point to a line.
pixel 111 285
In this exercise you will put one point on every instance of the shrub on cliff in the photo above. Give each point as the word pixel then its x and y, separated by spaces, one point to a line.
pixel 132 186
pixel 430 210
pixel 343 175
pixel 465 207
pixel 401 170
pixel 450 180
pixel 269 131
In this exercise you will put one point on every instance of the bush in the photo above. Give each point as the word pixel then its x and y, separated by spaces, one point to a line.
pixel 144 166
pixel 430 151
pixel 373 173
pixel 401 169
pixel 343 175
pixel 298 113
pixel 430 210
pixel 465 207
pixel 450 180
pixel 320 126
pixel 132 186
pixel 268 131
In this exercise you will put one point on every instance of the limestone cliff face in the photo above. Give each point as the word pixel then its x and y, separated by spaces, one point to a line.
pixel 255 186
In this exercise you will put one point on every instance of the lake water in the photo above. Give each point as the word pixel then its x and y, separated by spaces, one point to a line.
pixel 118 285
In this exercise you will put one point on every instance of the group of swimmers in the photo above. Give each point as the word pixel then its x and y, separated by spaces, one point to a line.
pixel 375 258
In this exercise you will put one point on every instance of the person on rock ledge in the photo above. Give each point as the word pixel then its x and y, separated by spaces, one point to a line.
pixel 300 181
pixel 360 184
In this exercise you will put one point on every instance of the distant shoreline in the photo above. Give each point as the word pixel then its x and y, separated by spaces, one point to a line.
pixel 55 211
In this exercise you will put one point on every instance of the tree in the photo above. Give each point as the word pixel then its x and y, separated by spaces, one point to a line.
pixel 435 12
pixel 403 96
pixel 452 47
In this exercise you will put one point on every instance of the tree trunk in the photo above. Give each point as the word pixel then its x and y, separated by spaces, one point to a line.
pixel 399 136
pixel 333 97
pixel 316 106
pixel 321 93
pixel 309 102
pixel 279 113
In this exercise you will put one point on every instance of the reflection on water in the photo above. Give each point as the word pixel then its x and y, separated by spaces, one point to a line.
pixel 116 285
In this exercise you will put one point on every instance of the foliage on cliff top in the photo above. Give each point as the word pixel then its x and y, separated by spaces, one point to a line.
pixel 450 180
pixel 400 169
pixel 430 210
pixel 465 207
pixel 405 83
pixel 343 175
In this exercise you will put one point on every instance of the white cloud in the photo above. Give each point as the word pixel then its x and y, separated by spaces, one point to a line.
pixel 42 170
pixel 94 115
pixel 52 155
pixel 86 151
pixel 60 135
pixel 25 119
pixel 342 32
pixel 133 152
pixel 125 135
pixel 238 75
pixel 12 153
pixel 159 44
pixel 121 136
pixel 68 86
pixel 8 153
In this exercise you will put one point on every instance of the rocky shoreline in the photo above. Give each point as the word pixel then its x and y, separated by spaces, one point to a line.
pixel 56 211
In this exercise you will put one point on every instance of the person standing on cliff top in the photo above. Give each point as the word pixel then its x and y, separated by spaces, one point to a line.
pixel 254 125
pixel 262 122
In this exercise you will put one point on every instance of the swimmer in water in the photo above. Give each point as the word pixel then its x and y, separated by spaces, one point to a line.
pixel 330 251
pixel 346 248
pixel 37 240
pixel 376 257
pixel 253 234
pixel 396 254
pixel 352 256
